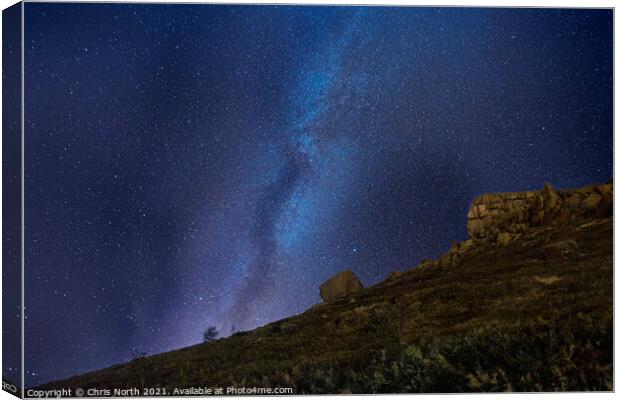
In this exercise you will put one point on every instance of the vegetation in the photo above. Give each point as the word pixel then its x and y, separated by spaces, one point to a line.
pixel 525 358
pixel 210 334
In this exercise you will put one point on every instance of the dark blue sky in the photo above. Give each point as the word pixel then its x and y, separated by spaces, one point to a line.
pixel 198 165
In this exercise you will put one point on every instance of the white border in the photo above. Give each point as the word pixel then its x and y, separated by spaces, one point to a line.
pixel 457 3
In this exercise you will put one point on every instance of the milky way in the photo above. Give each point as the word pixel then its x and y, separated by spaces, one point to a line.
pixel 190 166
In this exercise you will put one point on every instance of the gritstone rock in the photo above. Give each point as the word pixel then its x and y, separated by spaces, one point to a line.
pixel 341 284
pixel 493 214
pixel 503 238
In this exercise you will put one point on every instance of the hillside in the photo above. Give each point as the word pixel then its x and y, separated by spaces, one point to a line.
pixel 524 305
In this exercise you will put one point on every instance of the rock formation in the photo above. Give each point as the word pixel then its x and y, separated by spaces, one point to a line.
pixel 339 285
pixel 500 216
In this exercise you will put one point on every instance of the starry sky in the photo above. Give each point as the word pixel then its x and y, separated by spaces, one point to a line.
pixel 198 165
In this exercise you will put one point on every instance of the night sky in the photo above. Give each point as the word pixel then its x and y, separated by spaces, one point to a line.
pixel 193 165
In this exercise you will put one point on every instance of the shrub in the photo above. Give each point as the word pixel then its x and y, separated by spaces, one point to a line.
pixel 210 334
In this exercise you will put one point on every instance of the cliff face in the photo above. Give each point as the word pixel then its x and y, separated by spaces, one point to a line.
pixel 511 213
pixel 526 304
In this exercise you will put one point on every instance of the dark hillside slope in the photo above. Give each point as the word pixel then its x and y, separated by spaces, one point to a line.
pixel 527 307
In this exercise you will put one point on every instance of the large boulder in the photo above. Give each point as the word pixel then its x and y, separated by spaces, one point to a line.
pixel 339 285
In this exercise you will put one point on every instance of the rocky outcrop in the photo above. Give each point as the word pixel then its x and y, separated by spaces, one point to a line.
pixel 500 216
pixel 340 285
